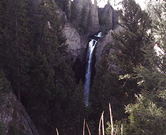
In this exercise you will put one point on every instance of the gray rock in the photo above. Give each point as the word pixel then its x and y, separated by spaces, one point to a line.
pixel 102 43
pixel 13 113
pixel 93 9
pixel 76 43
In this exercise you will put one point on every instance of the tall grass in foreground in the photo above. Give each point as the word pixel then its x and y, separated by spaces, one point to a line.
pixel 101 125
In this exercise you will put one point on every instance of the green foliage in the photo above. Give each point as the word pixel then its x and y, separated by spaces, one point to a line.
pixel 129 44
pixel 105 90
pixel 83 19
pixel 13 130
pixel 133 38
pixel 64 5
pixel 118 126
pixel 52 89
pixel 15 47
pixel 99 15
pixel 33 56
pixel 105 23
pixel 4 83
pixel 76 112
pixel 88 21
pixel 4 87
pixel 147 115
pixel 73 12
pixel 2 128
pixel 40 83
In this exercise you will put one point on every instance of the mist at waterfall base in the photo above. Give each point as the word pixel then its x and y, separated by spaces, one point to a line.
pixel 91 47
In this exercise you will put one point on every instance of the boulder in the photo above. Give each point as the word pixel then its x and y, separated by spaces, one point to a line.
pixel 13 115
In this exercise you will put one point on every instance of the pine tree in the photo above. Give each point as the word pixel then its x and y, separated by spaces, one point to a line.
pixel 15 47
pixel 22 43
pixel 106 89
pixel 73 12
pixel 57 97
pixel 4 87
pixel 147 115
pixel 88 21
pixel 129 44
pixel 52 41
pixel 82 19
pixel 6 33
pixel 133 38
pixel 41 86
pixel 76 112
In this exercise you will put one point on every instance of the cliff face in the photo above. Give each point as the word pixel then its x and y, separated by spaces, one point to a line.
pixel 91 9
pixel 103 43
pixel 14 117
pixel 76 43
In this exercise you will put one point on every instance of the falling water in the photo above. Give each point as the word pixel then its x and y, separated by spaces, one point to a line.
pixel 91 48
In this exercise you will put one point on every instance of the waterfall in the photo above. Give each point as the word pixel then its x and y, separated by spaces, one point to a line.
pixel 91 47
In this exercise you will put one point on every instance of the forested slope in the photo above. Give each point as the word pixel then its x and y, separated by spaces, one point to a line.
pixel 35 59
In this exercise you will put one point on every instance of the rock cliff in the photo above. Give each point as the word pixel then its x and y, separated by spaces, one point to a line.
pixel 14 117
pixel 91 9
pixel 103 43
pixel 76 43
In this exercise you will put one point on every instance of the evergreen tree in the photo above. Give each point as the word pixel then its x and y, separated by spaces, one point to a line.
pixel 57 97
pixel 41 86
pixel 76 111
pixel 52 41
pixel 89 21
pixel 73 12
pixel 106 89
pixel 4 87
pixel 15 46
pixel 82 19
pixel 129 44
pixel 6 33
pixel 21 48
pixel 147 115
pixel 133 38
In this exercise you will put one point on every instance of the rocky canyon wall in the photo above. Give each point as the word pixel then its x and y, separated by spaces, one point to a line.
pixel 101 19
pixel 91 11
pixel 14 117
pixel 101 47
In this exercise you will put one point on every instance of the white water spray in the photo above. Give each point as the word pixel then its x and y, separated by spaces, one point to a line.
pixel 91 48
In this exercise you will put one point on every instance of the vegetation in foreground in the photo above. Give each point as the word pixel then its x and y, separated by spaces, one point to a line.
pixel 33 56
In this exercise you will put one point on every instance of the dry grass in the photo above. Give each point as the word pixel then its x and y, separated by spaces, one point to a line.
pixel 101 125
pixel 57 131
